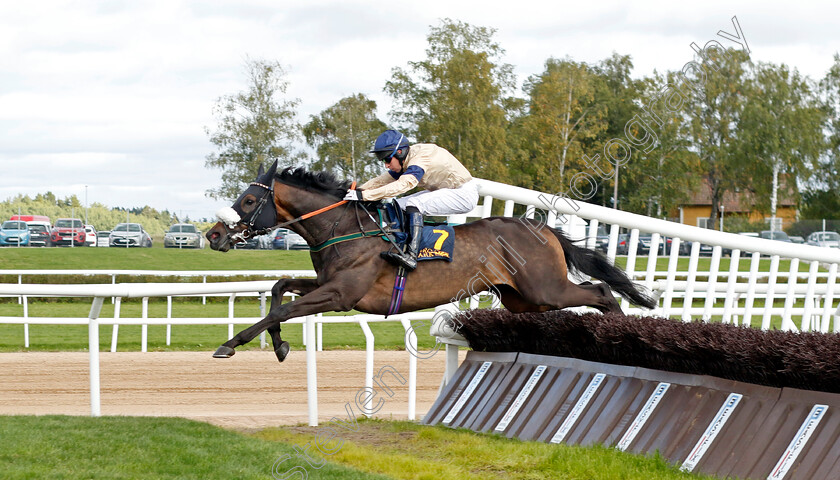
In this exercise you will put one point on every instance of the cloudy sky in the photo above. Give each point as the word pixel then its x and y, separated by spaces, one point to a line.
pixel 116 95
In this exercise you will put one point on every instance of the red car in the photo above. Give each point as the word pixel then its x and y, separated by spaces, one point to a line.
pixel 68 231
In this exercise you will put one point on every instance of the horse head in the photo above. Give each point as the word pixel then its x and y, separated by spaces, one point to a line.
pixel 254 210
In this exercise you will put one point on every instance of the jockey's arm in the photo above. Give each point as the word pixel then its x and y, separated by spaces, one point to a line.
pixel 403 184
pixel 377 182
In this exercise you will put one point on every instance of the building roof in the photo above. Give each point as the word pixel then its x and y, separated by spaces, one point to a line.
pixel 742 201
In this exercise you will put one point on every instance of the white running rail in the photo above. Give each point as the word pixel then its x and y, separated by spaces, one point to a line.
pixel 100 292
pixel 809 297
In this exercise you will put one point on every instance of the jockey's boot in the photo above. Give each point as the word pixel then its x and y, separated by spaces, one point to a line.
pixel 408 259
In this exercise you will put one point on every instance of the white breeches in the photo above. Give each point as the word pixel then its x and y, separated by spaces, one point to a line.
pixel 446 201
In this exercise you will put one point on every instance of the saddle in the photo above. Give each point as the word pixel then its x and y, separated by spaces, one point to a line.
pixel 437 242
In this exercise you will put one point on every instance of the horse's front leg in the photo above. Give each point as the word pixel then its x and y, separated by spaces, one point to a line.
pixel 298 286
pixel 333 296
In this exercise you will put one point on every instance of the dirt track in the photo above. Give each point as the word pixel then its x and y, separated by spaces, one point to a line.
pixel 249 390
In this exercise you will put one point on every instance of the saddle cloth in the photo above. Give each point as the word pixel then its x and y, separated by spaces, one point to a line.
pixel 437 242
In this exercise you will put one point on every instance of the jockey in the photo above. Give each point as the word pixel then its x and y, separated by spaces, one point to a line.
pixel 448 186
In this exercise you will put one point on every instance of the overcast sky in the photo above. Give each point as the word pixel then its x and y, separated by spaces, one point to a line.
pixel 116 95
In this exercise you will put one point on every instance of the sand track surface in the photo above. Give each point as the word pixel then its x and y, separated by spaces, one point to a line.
pixel 249 390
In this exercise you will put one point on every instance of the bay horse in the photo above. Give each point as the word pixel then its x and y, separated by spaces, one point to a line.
pixel 525 262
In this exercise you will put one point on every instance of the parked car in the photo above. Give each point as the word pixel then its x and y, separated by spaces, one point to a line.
pixel 775 235
pixel 623 246
pixel 285 239
pixel 39 235
pixel 824 239
pixel 728 251
pixel 102 238
pixel 797 239
pixel 602 243
pixel 14 232
pixel 129 235
pixel 68 231
pixel 39 229
pixel 183 235
pixel 91 236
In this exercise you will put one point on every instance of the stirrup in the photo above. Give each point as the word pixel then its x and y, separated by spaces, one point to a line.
pixel 400 259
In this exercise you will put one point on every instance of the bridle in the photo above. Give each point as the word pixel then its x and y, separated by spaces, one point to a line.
pixel 253 216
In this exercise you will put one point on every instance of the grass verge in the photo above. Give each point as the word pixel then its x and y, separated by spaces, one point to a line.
pixel 171 448
pixel 405 450
pixel 142 448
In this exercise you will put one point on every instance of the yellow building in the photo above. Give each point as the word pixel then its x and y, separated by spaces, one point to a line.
pixel 697 211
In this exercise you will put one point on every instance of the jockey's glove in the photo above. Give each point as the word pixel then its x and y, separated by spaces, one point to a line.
pixel 353 196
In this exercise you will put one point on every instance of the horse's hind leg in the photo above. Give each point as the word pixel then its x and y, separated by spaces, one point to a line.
pixel 569 295
pixel 593 295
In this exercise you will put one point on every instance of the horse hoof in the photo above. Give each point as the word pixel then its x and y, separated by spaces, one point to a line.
pixel 224 352
pixel 282 351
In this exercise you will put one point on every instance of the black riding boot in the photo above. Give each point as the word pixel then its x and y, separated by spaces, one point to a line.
pixel 409 258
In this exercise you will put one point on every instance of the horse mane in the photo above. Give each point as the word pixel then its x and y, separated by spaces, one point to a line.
pixel 323 182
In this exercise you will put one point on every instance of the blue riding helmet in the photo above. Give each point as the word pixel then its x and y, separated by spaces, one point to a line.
pixel 387 144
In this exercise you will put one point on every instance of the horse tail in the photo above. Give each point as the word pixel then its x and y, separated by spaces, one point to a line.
pixel 596 264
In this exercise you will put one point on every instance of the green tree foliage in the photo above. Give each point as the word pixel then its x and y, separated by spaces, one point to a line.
pixel 712 100
pixel 100 216
pixel 563 121
pixel 456 97
pixel 780 132
pixel 255 127
pixel 657 182
pixel 343 135
pixel 822 194
pixel 618 92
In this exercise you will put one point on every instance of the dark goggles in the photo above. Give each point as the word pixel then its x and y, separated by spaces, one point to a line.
pixel 385 156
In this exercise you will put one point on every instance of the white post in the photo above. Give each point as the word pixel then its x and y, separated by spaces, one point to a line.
pixel 787 320
pixel 412 370
pixel 144 329
pixel 734 262
pixel 688 298
pixel 653 251
pixel 93 347
pixel 711 293
pixel 808 315
pixel 230 314
pixel 115 333
pixel 25 325
pixel 311 373
pixel 168 315
pixel 750 300
pixel 828 299
pixel 368 364
pixel 771 292
pixel 671 276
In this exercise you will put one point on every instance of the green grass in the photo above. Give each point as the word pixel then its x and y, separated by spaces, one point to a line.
pixel 63 447
pixel 405 450
pixel 60 447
